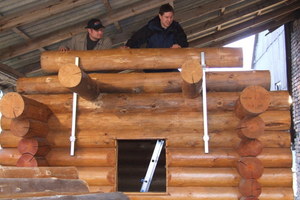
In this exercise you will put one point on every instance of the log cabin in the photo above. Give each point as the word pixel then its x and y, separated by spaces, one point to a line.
pixel 28 28
pixel 120 117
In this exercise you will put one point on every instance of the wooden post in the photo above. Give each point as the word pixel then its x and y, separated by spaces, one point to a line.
pixel 74 78
pixel 14 105
pixel 28 128
pixel 191 74
pixel 253 101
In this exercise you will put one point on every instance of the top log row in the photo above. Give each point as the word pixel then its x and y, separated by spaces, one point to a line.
pixel 122 59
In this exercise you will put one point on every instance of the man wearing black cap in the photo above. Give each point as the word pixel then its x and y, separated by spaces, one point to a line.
pixel 92 40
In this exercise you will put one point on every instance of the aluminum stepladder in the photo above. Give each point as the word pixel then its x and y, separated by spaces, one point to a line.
pixel 152 165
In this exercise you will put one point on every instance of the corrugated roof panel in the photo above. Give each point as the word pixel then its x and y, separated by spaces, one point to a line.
pixel 9 38
pixel 14 6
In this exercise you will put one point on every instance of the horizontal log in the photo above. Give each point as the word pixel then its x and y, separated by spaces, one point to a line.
pixel 75 79
pixel 192 138
pixel 154 102
pixel 122 59
pixel 214 193
pixel 34 146
pixel 98 176
pixel 5 123
pixel 227 139
pixel 98 196
pixel 191 74
pixel 29 160
pixel 39 172
pixel 22 185
pixel 38 194
pixel 219 157
pixel 28 128
pixel 224 177
pixel 9 156
pixel 14 105
pixel 92 157
pixel 102 188
pixel 183 121
pixel 252 101
pixel 233 81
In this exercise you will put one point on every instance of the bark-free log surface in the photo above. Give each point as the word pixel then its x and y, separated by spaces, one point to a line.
pixel 191 74
pixel 14 105
pixel 233 81
pixel 39 172
pixel 250 167
pixel 34 146
pixel 253 101
pixel 251 128
pixel 74 78
pixel 98 176
pixel 93 157
pixel 183 121
pixel 250 187
pixel 224 177
pixel 28 160
pixel 250 147
pixel 153 102
pixel 214 193
pixel 5 123
pixel 122 59
pixel 21 127
pixel 219 157
pixel 22 185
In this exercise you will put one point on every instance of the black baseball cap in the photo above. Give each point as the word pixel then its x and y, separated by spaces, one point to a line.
pixel 95 24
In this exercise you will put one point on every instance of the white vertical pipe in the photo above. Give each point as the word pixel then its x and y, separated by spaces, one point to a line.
pixel 74 109
pixel 204 100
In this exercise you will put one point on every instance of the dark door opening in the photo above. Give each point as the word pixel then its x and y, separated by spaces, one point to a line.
pixel 133 160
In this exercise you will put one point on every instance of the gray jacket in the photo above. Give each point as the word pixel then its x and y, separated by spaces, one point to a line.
pixel 78 42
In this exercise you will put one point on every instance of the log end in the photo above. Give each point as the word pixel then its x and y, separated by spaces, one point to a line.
pixel 251 128
pixel 250 167
pixel 255 100
pixel 250 147
pixel 12 105
pixel 249 188
pixel 191 71
pixel 19 127
pixel 70 75
pixel 28 160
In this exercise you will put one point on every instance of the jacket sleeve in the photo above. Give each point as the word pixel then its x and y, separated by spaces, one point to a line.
pixel 138 38
pixel 181 37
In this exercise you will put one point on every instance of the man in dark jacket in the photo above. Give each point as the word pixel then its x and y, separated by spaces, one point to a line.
pixel 160 32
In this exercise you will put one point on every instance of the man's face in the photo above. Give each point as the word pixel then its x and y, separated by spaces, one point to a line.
pixel 166 19
pixel 95 34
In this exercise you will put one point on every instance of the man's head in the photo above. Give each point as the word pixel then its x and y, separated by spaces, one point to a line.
pixel 166 14
pixel 95 29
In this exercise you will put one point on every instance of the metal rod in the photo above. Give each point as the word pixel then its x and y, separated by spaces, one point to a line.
pixel 204 100
pixel 74 110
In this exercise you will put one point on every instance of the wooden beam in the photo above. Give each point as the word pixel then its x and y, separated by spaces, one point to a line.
pixel 270 25
pixel 245 26
pixel 39 12
pixel 68 32
pixel 9 74
pixel 109 8
pixel 231 17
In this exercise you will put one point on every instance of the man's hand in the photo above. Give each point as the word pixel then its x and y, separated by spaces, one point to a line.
pixel 175 46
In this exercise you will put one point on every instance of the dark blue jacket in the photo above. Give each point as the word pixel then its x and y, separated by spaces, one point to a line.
pixel 155 36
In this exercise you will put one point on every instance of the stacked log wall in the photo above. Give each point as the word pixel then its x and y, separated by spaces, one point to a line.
pixel 139 116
